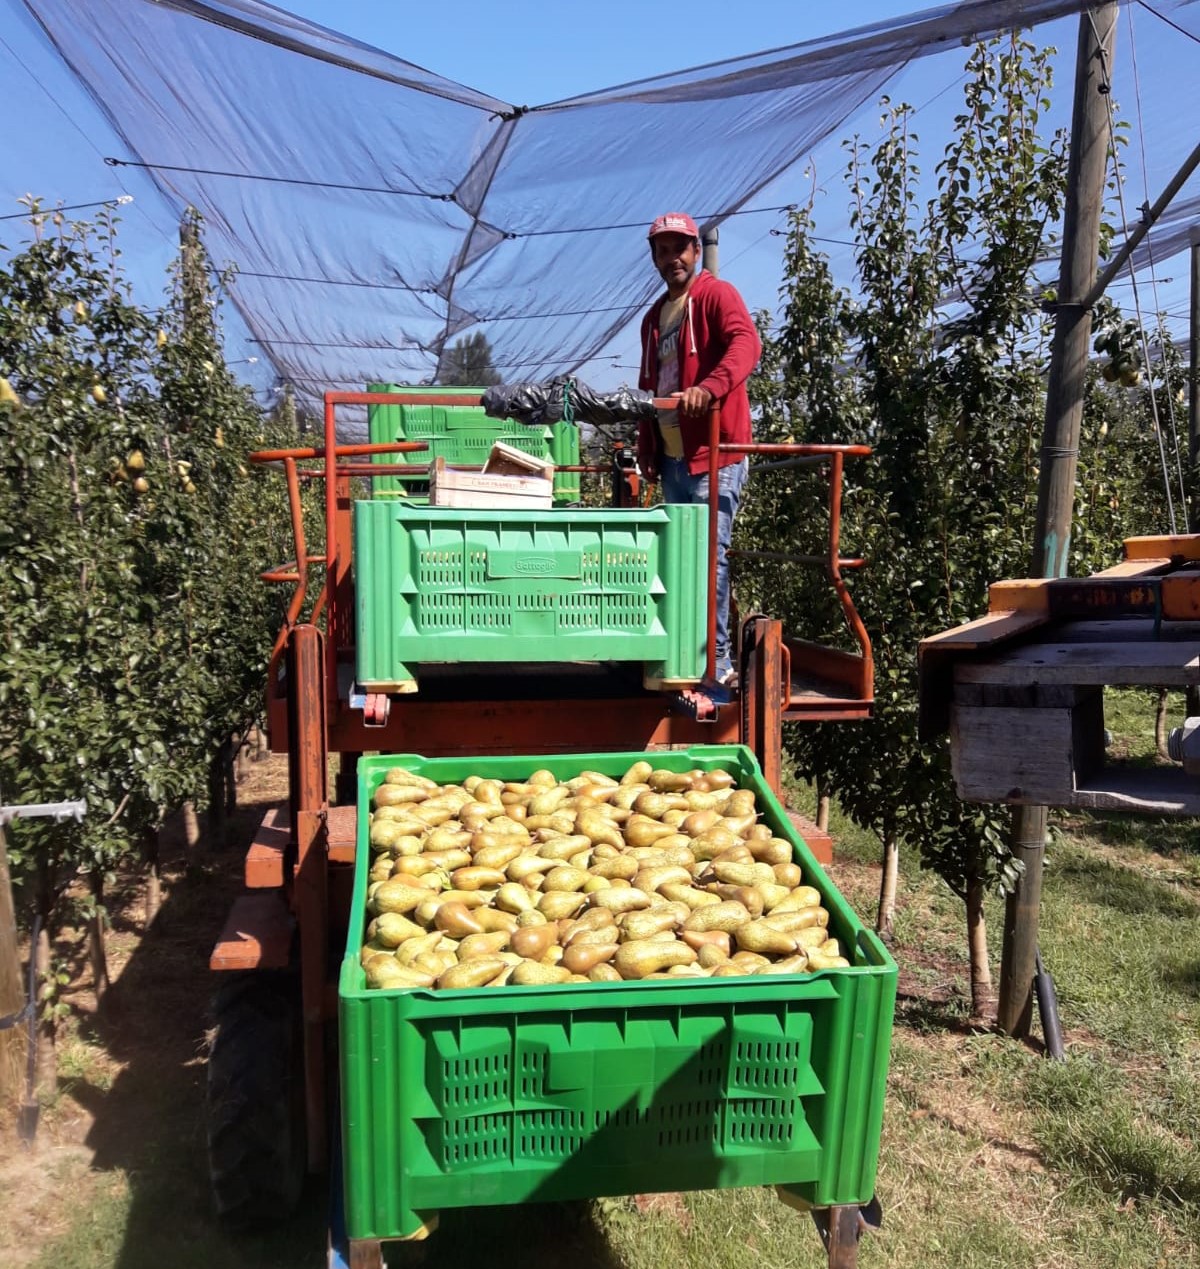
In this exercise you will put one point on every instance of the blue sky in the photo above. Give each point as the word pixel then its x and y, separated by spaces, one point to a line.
pixel 529 52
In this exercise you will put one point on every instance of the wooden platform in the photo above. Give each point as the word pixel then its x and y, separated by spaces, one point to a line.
pixel 264 859
pixel 1110 663
pixel 257 933
pixel 1027 722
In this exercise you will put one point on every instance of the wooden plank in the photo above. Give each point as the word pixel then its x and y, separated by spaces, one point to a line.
pixel 342 824
pixel 264 859
pixel 938 654
pixel 1012 755
pixel 993 627
pixel 1158 791
pixel 1096 664
pixel 1152 791
pixel 257 933
pixel 1124 630
pixel 1181 546
pixel 1135 568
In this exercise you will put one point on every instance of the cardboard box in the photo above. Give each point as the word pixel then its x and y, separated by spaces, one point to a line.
pixel 507 460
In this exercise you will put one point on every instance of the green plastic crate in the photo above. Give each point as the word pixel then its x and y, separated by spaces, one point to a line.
pixel 470 1098
pixel 463 435
pixel 438 584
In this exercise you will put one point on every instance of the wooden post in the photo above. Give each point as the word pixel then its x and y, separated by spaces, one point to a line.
pixel 12 988
pixel 1087 167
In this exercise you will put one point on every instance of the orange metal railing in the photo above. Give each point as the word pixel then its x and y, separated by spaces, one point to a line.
pixel 336 472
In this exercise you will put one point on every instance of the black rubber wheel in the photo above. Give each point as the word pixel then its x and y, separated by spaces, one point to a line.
pixel 256 1138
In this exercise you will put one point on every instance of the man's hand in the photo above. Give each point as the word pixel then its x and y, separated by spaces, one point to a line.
pixel 694 401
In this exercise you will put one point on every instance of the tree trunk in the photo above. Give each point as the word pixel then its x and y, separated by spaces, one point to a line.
pixel 241 766
pixel 216 800
pixel 150 853
pixel 46 1073
pixel 191 825
pixel 12 989
pixel 823 812
pixel 264 744
pixel 887 887
pixel 228 756
pixel 1160 724
pixel 983 994
pixel 95 940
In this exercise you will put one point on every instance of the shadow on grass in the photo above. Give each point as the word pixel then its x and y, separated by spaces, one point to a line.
pixel 1123 1157
pixel 1183 977
pixel 149 1126
pixel 1123 890
pixel 1167 836
pixel 1089 1122
pixel 526 1237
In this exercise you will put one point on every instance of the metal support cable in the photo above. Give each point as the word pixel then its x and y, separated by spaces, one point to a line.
pixel 1137 305
pixel 1158 312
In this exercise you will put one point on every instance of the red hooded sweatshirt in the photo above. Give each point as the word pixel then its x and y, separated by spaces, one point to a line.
pixel 718 349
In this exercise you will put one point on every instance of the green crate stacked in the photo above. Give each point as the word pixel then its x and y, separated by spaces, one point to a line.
pixel 474 1097
pixel 463 435
pixel 439 584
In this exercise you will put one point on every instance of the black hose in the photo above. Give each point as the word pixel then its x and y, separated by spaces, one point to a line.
pixel 1047 999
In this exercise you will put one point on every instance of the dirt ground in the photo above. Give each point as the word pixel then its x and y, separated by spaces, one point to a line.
pixel 128 1114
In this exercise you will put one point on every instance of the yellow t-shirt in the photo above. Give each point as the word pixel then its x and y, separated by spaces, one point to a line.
pixel 669 323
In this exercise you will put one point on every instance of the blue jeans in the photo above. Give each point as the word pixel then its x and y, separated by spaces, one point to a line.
pixel 679 485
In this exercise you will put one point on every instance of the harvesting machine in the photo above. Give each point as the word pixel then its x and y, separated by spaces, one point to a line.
pixel 492 643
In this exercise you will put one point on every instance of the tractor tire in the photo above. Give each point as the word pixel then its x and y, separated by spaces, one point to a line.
pixel 257 1148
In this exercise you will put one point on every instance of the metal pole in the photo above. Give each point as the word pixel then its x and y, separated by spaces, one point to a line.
pixel 708 249
pixel 12 986
pixel 1194 362
pixel 1060 443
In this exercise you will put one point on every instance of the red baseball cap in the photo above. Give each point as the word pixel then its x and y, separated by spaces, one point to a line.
pixel 674 223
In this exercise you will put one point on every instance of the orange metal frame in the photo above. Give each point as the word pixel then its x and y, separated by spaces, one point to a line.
pixel 309 717
pixel 852 673
pixel 855 673
pixel 634 719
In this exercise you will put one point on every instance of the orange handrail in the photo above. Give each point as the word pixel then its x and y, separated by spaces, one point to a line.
pixel 333 594
pixel 834 563
pixel 295 571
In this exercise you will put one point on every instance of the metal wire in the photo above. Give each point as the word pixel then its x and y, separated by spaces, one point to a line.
pixel 1117 180
pixel 1162 335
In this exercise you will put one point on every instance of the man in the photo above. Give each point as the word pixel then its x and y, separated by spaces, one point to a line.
pixel 699 344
